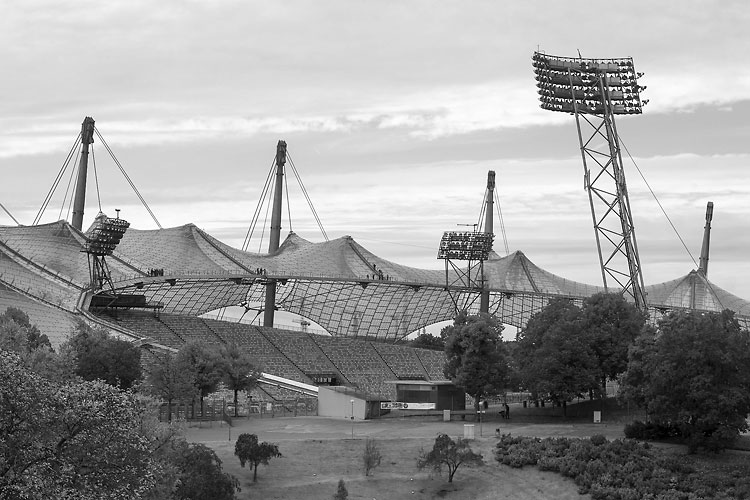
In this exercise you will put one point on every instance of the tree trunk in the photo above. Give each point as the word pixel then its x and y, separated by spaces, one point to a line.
pixel 255 473
pixel 235 402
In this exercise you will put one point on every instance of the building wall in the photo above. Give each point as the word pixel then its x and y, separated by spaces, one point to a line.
pixel 338 403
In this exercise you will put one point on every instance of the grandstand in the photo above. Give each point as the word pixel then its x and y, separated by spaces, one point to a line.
pixel 298 356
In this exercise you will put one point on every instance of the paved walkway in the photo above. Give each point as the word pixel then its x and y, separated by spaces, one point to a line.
pixel 303 428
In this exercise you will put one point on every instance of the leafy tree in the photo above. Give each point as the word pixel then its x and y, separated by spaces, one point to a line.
pixel 428 341
pixel 554 358
pixel 99 356
pixel 450 453
pixel 16 329
pixel 693 373
pixel 201 476
pixel 18 335
pixel 341 491
pixel 206 364
pixel 240 373
pixel 169 379
pixel 250 451
pixel 371 457
pixel 611 325
pixel 476 356
pixel 71 440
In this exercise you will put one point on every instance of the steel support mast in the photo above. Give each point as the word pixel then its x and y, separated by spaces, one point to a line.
pixel 275 237
pixel 87 137
pixel 595 90
pixel 703 265
pixel 489 228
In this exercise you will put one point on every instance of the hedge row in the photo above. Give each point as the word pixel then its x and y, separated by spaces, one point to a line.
pixel 625 469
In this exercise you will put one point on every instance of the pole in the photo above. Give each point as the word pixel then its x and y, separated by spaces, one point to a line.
pixel 352 402
pixel 87 137
pixel 484 299
pixel 275 237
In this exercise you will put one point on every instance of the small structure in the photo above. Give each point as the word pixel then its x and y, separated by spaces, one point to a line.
pixel 341 401
pixel 443 394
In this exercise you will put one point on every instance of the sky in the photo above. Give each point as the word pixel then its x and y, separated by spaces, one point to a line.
pixel 393 113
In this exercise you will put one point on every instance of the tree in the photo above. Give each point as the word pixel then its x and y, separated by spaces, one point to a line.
pixel 371 456
pixel 16 329
pixel 554 358
pixel 240 373
pixel 450 453
pixel 341 491
pixel 250 451
pixel 169 379
pixel 693 373
pixel 99 356
pixel 206 364
pixel 18 335
pixel 611 325
pixel 72 440
pixel 476 356
pixel 428 341
pixel 201 476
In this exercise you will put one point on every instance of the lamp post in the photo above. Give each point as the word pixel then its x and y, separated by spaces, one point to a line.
pixel 352 417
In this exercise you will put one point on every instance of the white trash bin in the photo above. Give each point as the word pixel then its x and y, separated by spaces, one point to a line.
pixel 468 431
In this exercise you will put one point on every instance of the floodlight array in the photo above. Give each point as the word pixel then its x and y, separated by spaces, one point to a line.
pixel 588 85
pixel 105 235
pixel 465 245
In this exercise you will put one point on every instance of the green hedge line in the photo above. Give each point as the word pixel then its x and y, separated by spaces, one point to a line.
pixel 625 469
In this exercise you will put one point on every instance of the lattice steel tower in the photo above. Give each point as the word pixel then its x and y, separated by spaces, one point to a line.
pixel 595 90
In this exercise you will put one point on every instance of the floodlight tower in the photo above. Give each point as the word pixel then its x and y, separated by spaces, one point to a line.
pixel 101 241
pixel 595 90
pixel 472 247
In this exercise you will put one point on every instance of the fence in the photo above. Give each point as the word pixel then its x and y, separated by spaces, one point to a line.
pixel 217 410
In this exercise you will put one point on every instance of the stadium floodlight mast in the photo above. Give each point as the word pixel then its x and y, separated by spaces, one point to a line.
pixel 472 247
pixel 102 239
pixel 595 90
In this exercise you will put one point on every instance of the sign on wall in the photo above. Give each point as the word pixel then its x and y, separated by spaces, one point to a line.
pixel 398 405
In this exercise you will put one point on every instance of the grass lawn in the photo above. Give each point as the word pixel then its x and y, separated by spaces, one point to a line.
pixel 311 469
pixel 319 451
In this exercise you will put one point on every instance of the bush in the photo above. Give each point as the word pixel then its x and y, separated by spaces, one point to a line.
pixel 626 469
pixel 371 457
pixel 651 431
pixel 598 440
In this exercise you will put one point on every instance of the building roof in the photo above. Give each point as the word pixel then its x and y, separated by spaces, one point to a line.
pixel 337 284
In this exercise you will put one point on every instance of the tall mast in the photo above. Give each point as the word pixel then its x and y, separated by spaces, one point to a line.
pixel 87 137
pixel 489 202
pixel 703 269
pixel 275 238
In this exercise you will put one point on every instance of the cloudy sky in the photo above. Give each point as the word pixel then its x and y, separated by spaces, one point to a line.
pixel 393 113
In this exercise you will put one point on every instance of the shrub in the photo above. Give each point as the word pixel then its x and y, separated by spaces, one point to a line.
pixel 598 440
pixel 371 456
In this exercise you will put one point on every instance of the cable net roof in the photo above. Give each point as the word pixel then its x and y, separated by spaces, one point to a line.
pixel 338 284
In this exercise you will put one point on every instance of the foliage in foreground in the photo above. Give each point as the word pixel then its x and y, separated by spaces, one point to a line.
pixel 693 376
pixel 341 492
pixel 626 470
pixel 450 453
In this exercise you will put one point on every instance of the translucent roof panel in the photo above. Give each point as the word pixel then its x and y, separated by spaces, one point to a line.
pixel 338 284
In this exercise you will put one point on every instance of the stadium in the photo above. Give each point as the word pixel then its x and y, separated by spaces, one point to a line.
pixel 163 287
